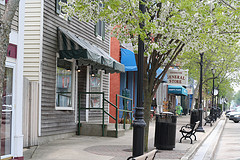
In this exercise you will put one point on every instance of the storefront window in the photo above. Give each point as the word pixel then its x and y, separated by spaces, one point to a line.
pixel 6 127
pixel 95 86
pixel 64 84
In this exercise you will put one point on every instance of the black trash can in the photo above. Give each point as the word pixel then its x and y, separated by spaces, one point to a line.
pixel 165 131
pixel 215 113
pixel 194 117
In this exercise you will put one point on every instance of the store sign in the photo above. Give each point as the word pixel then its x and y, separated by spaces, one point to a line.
pixel 12 51
pixel 177 77
pixel 190 90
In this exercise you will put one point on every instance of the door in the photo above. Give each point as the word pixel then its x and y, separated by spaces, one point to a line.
pixel 7 109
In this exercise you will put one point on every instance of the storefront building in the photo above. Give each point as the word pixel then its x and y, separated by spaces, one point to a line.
pixel 64 58
pixel 11 127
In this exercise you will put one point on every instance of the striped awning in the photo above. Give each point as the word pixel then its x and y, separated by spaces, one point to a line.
pixel 73 47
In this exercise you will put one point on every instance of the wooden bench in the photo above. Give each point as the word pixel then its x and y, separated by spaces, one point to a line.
pixel 188 131
pixel 147 156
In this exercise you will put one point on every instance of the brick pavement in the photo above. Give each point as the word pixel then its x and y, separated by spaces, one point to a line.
pixel 96 148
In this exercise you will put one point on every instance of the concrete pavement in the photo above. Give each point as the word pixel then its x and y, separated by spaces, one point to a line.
pixel 229 143
pixel 207 149
pixel 107 148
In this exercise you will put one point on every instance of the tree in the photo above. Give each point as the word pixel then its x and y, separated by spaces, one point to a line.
pixel 223 58
pixel 237 98
pixel 5 28
pixel 171 27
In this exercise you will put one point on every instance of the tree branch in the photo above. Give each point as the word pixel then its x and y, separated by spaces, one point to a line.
pixel 228 5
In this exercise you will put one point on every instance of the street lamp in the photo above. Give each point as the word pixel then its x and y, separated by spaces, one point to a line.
pixel 213 109
pixel 213 72
pixel 200 110
pixel 139 123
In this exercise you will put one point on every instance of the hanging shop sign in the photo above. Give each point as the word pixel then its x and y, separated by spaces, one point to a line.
pixel 177 77
pixel 12 51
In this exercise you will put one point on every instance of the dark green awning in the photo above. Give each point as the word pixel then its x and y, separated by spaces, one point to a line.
pixel 74 47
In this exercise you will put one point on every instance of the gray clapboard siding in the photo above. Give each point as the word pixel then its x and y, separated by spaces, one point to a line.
pixel 15 18
pixel 56 121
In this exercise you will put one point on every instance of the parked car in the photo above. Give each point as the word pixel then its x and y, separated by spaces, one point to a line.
pixel 227 112
pixel 228 115
pixel 235 118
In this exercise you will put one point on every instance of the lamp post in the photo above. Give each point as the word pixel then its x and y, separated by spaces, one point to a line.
pixel 213 72
pixel 139 123
pixel 200 110
pixel 213 109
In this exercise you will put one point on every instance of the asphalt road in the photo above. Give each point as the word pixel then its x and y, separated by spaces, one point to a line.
pixel 229 144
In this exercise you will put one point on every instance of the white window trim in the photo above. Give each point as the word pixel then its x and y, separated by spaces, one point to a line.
pixel 76 97
pixel 99 37
pixel 87 90
pixel 12 65
pixel 101 87
pixel 73 88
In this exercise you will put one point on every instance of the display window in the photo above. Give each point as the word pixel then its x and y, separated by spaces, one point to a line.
pixel 6 126
pixel 64 84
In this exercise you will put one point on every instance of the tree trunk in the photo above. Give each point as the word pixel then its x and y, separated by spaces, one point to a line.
pixel 147 110
pixel 195 94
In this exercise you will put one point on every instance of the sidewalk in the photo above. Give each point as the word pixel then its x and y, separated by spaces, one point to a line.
pixel 105 148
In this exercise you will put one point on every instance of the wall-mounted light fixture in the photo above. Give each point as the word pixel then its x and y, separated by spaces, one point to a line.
pixel 77 67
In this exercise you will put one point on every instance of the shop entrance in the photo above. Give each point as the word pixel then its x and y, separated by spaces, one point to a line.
pixel 7 109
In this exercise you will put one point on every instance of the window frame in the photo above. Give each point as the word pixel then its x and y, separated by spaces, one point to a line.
pixel 100 30
pixel 58 10
pixel 101 87
pixel 73 79
pixel 100 26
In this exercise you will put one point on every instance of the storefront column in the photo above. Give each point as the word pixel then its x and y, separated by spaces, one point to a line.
pixel 18 136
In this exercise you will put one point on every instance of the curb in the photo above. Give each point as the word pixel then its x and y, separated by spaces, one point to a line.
pixel 194 148
pixel 210 154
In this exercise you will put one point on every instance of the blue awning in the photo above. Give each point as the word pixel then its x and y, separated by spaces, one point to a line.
pixel 178 90
pixel 128 59
pixel 159 71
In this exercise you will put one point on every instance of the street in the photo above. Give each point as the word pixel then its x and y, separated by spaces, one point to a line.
pixel 229 143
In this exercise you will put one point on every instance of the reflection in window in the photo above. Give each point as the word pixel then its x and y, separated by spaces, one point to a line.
pixel 6 126
pixel 64 84
pixel 95 86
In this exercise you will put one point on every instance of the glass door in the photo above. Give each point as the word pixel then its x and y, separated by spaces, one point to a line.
pixel 7 100
pixel 95 86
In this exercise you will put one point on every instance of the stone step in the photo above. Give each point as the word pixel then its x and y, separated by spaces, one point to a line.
pixel 120 126
pixel 95 129
pixel 112 132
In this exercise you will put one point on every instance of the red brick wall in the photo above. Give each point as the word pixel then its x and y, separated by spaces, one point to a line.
pixel 115 77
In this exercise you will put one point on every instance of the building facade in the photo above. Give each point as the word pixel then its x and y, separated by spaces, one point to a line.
pixel 63 58
pixel 11 127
